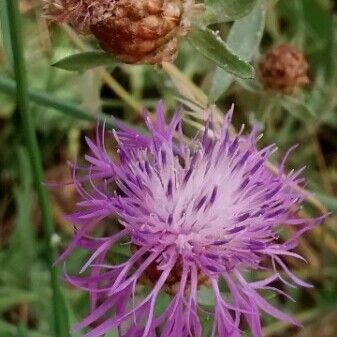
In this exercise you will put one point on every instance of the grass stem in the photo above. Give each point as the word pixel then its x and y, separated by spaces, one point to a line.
pixel 15 27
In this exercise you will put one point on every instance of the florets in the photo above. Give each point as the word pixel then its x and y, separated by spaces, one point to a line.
pixel 194 213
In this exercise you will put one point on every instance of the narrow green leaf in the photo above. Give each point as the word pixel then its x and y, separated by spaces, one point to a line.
pixel 28 130
pixel 6 39
pixel 45 99
pixel 319 29
pixel 22 244
pixel 329 201
pixel 244 39
pixel 64 314
pixel 218 11
pixel 86 60
pixel 298 108
pixel 211 46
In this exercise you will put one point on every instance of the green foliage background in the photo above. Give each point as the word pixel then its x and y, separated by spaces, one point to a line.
pixel 65 104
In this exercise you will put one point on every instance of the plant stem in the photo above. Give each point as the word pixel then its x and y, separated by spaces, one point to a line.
pixel 14 20
pixel 71 109
pixel 105 75
pixel 45 99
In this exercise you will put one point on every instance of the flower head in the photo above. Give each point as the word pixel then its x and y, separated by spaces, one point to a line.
pixel 194 213
pixel 81 14
pixel 136 31
pixel 284 68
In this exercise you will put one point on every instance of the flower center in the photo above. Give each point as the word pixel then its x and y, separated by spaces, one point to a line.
pixel 171 286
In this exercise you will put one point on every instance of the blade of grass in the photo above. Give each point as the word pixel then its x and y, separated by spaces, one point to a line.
pixel 70 109
pixel 48 100
pixel 60 326
pixel 5 34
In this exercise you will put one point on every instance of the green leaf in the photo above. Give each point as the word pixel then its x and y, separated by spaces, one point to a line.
pixel 244 39
pixel 298 108
pixel 64 314
pixel 22 244
pixel 211 46
pixel 329 201
pixel 6 39
pixel 319 30
pixel 86 60
pixel 218 11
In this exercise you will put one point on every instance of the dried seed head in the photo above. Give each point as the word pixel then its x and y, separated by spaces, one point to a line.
pixel 80 14
pixel 136 31
pixel 284 68
pixel 143 31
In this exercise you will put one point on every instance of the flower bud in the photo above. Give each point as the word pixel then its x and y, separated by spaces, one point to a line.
pixel 284 68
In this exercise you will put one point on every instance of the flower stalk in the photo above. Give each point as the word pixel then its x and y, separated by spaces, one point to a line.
pixel 27 124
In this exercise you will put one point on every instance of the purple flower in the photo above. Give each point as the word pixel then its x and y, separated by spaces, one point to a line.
pixel 194 213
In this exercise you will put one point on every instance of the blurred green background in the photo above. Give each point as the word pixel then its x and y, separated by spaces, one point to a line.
pixel 64 106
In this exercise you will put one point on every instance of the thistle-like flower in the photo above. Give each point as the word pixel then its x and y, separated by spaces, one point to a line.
pixel 195 213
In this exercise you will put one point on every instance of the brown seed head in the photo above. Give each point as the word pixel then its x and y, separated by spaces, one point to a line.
pixel 284 68
pixel 80 14
pixel 143 31
pixel 136 31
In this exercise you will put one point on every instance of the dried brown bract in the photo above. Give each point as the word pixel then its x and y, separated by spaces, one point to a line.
pixel 284 68
pixel 136 31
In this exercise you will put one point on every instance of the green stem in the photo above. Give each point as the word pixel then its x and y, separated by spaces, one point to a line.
pixel 45 99
pixel 70 109
pixel 105 75
pixel 14 20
